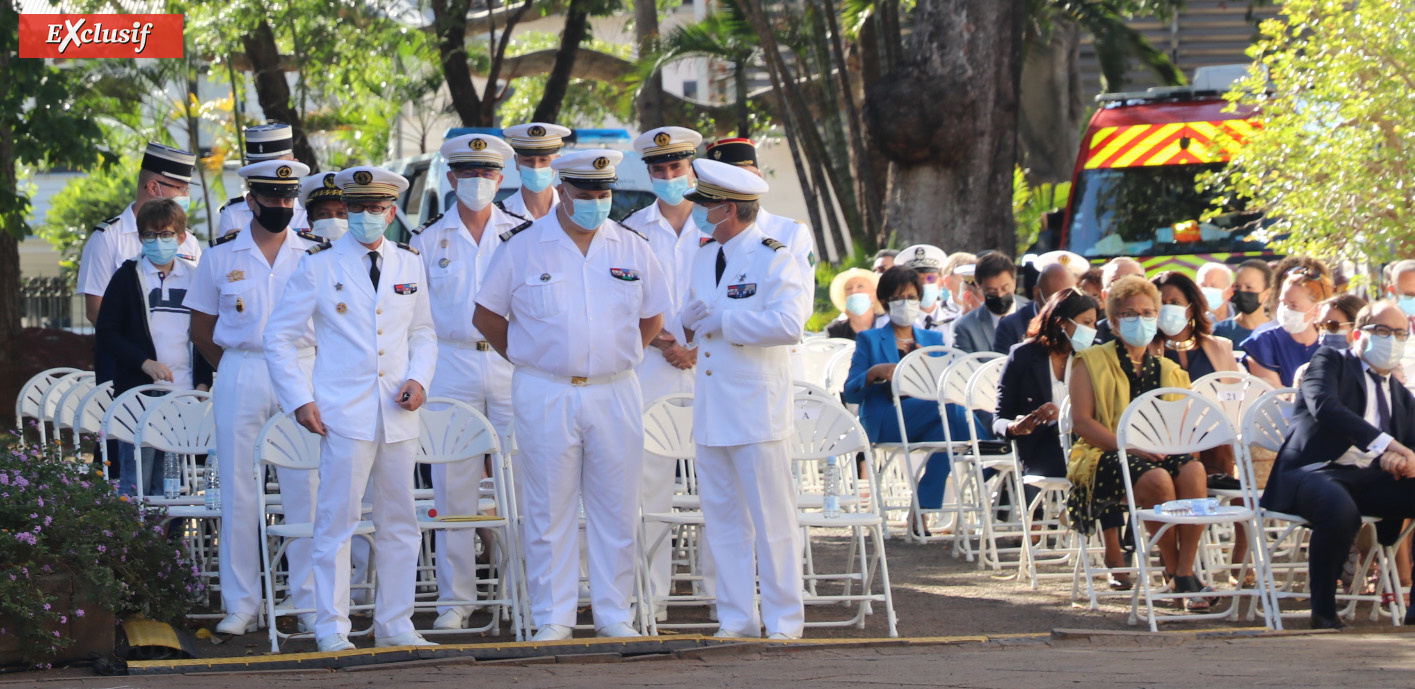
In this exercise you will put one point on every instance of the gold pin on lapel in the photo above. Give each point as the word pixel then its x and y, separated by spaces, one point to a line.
pixel 341 308
pixel 235 276
pixel 443 244
pixel 240 305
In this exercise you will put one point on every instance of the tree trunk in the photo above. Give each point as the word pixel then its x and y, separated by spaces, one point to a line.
pixel 272 90
pixel 744 109
pixel 577 25
pixel 10 350
pixel 450 23
pixel 946 117
pixel 1049 130
pixel 650 100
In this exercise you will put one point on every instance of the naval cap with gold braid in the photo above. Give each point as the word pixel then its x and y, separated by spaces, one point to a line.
pixel 368 183
pixel 320 187
pixel 667 143
pixel 536 138
pixel 275 178
pixel 476 150
pixel 724 182
pixel 592 169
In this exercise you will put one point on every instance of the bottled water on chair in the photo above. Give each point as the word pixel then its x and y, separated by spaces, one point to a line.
pixel 832 487
pixel 171 476
pixel 213 484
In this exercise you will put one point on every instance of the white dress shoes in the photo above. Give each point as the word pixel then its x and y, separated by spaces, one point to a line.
pixel 335 642
pixel 236 623
pixel 404 639
pixel 620 630
pixel 553 632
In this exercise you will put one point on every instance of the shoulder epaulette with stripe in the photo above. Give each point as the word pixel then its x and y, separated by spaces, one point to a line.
pixel 319 247
pixel 773 244
pixel 306 234
pixel 630 229
pixel 632 212
pixel 225 238
pixel 232 201
pixel 503 210
pixel 515 230
pixel 106 224
pixel 419 229
pixel 407 247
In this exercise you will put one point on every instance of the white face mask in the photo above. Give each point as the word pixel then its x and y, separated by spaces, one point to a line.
pixel 1173 319
pixel 903 312
pixel 1291 320
pixel 476 192
pixel 330 228
pixel 1382 353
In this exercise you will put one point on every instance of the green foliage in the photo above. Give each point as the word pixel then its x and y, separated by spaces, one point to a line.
pixel 83 203
pixel 824 311
pixel 1333 162
pixel 1031 204
pixel 1115 43
pixel 587 103
pixel 60 517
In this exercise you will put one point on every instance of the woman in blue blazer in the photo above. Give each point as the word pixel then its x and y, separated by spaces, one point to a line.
pixel 877 352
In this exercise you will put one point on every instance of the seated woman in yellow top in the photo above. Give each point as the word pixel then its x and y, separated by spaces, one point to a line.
pixel 1108 378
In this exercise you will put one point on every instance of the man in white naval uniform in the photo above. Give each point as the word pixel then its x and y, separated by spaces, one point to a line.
pixel 456 248
pixel 667 367
pixel 537 144
pixel 793 233
pixel 239 281
pixel 748 304
pixel 572 300
pixel 273 141
pixel 367 299
pixel 165 172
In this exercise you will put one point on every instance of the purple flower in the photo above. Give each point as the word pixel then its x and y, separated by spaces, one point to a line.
pixel 79 612
pixel 102 548
pixel 28 539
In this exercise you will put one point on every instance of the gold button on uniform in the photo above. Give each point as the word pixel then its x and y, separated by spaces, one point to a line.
pixel 379 312
pixel 707 354
pixel 380 331
pixel 709 372
pixel 380 374
pixel 380 352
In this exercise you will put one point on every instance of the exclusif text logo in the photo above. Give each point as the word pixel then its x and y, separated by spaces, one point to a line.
pixel 100 35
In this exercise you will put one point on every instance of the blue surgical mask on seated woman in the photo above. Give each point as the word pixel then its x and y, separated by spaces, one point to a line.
pixel 1082 337
pixel 1173 319
pixel 1334 340
pixel 857 304
pixel 1138 331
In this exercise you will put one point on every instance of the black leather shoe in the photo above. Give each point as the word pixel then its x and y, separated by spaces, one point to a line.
pixel 1320 622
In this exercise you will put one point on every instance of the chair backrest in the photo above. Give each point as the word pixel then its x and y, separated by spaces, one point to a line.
pixel 825 428
pixel 952 386
pixel 1185 423
pixel 453 431
pixel 181 423
pixel 285 444
pixel 668 427
pixel 88 415
pixel 837 370
pixel 49 401
pixel 64 407
pixel 982 387
pixel 120 421
pixel 1266 422
pixel 801 387
pixel 1234 391
pixel 28 402
pixel 1065 426
pixel 918 372
pixel 815 355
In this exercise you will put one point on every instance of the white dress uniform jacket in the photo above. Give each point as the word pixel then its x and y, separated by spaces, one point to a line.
pixel 456 266
pixel 797 238
pixel 744 371
pixel 236 215
pixel 114 241
pixel 370 342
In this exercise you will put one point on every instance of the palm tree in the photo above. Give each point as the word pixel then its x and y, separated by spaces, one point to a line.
pixel 725 35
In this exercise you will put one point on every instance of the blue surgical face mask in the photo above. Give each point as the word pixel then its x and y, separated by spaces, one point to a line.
pixel 1406 304
pixel 671 191
pixel 1173 319
pixel 858 303
pixel 1382 352
pixel 184 201
pixel 160 252
pixel 367 227
pixel 932 290
pixel 1138 331
pixel 1214 296
pixel 700 218
pixel 589 213
pixel 1334 340
pixel 536 179
pixel 1082 337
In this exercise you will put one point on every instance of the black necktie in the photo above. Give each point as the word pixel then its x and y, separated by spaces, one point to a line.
pixel 721 264
pixel 373 269
pixel 928 322
pixel 1382 407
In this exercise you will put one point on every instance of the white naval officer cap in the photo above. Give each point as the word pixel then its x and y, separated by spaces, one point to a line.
pixel 593 169
pixel 536 138
pixel 269 141
pixel 667 143
pixel 369 183
pixel 168 162
pixel 476 150
pixel 275 178
pixel 922 257
pixel 724 182
pixel 1071 261
pixel 320 187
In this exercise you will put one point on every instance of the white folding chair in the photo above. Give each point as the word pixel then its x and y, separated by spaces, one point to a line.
pixel 915 376
pixel 815 355
pixel 981 398
pixel 285 445
pixel 837 369
pixel 88 419
pixel 63 416
pixel 29 404
pixel 971 495
pixel 180 424
pixel 1056 542
pixel 49 403
pixel 1184 424
pixel 453 432
pixel 121 418
pixel 826 431
pixel 668 437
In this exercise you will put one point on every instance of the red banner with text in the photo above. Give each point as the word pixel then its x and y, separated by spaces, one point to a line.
pixel 100 35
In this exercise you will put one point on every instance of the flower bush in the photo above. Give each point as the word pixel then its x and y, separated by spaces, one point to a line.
pixel 61 517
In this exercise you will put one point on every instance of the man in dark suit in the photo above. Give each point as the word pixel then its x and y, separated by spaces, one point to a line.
pixel 1012 328
pixel 1347 452
pixel 996 275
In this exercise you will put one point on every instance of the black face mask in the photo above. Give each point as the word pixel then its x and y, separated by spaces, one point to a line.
pixel 998 304
pixel 1245 302
pixel 273 218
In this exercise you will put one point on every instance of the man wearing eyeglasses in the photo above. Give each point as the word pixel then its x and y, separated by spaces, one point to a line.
pixel 165 172
pixel 1347 452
